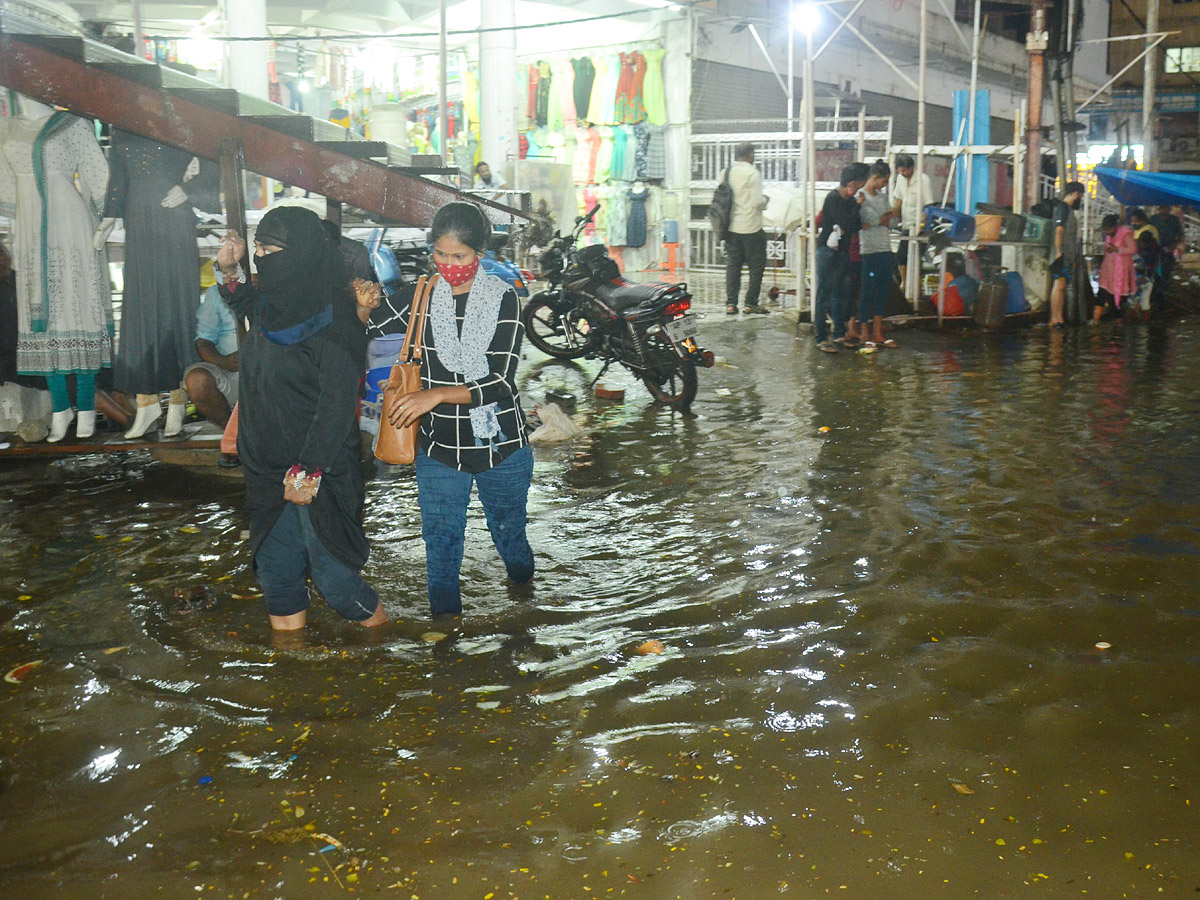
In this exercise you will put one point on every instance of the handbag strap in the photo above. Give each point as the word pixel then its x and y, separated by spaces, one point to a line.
pixel 411 348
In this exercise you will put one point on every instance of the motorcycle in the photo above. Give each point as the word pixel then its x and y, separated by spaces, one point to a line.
pixel 590 310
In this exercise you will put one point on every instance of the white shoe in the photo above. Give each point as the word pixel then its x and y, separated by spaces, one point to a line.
pixel 59 422
pixel 85 424
pixel 146 417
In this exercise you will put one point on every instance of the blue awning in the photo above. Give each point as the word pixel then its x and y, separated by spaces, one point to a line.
pixel 1135 188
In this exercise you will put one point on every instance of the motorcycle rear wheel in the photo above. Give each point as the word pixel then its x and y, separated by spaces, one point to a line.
pixel 547 328
pixel 674 384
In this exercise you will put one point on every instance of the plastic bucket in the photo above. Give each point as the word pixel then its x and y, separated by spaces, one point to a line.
pixel 382 353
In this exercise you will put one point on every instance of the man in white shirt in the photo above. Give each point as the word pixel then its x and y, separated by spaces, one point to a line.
pixel 906 204
pixel 490 185
pixel 745 242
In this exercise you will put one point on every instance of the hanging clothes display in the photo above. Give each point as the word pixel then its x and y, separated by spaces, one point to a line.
pixel 162 262
pixel 636 228
pixel 585 74
pixel 64 307
pixel 656 153
pixel 653 93
pixel 604 157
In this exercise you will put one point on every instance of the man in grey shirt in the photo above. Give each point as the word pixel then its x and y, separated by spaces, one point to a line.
pixel 745 242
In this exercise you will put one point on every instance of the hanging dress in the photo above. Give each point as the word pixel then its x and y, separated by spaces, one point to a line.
pixel 162 262
pixel 64 306
pixel 611 81
pixel 618 216
pixel 596 103
pixel 543 94
pixel 636 229
pixel 617 163
pixel 630 108
pixel 653 94
pixel 585 74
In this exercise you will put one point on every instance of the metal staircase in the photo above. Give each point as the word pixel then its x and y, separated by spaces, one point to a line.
pixel 241 133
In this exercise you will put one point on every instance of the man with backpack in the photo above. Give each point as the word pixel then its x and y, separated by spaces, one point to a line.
pixel 736 215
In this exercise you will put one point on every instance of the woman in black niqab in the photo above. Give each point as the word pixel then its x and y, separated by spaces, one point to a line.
pixel 298 439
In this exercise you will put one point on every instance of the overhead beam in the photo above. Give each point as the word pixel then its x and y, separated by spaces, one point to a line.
pixel 157 115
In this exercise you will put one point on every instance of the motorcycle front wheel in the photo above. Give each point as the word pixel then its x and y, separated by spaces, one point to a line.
pixel 671 379
pixel 547 328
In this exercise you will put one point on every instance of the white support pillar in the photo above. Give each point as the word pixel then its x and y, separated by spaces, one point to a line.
pixel 498 84
pixel 678 34
pixel 246 61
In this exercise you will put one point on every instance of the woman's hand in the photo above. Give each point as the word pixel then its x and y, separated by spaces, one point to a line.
pixel 411 407
pixel 368 294
pixel 300 489
pixel 233 248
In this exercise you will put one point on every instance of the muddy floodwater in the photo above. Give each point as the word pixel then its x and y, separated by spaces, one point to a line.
pixel 930 627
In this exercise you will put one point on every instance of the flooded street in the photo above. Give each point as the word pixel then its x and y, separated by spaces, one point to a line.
pixel 880 583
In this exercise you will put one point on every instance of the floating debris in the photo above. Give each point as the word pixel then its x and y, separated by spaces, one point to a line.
pixel 432 637
pixel 17 675
pixel 654 647
pixel 1103 645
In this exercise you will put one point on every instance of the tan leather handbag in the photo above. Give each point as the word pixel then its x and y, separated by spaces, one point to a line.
pixel 398 445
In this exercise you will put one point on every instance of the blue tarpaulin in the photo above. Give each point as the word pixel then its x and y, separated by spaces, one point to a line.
pixel 1135 188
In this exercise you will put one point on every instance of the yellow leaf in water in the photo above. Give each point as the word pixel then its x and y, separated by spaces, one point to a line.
pixel 1128 855
pixel 111 650
pixel 25 597
pixel 999 842
pixel 961 788
pixel 299 811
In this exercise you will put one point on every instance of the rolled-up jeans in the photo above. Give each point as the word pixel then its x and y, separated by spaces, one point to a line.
pixel 831 297
pixel 444 492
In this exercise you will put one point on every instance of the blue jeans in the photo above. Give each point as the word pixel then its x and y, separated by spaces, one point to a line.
pixel 444 493
pixel 877 269
pixel 831 298
pixel 291 553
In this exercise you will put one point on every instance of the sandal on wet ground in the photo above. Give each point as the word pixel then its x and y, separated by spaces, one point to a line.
pixel 731 310
pixel 827 347
pixel 755 309
pixel 887 342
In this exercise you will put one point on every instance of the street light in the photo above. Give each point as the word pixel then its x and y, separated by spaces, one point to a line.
pixel 806 17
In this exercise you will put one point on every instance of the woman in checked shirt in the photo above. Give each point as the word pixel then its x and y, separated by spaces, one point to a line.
pixel 472 428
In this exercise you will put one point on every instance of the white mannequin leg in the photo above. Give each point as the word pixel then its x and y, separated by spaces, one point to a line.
pixel 176 409
pixel 59 422
pixel 148 412
pixel 85 425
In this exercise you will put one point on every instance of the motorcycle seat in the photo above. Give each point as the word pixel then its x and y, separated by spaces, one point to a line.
pixel 622 295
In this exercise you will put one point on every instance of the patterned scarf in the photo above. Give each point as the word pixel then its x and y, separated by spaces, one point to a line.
pixel 467 355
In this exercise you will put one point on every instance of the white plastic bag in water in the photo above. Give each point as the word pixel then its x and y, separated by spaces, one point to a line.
pixel 556 426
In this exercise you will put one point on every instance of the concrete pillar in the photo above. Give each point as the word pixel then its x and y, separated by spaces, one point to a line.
pixel 246 61
pixel 1149 83
pixel 498 84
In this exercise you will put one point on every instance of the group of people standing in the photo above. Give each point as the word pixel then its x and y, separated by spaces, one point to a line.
pixel 856 267
pixel 301 362
pixel 1137 262
pixel 855 260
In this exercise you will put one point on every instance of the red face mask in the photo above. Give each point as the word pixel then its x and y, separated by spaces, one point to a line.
pixel 456 276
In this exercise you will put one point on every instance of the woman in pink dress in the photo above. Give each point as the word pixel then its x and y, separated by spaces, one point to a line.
pixel 1118 279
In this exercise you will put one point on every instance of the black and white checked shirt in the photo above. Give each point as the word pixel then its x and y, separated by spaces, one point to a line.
pixel 446 434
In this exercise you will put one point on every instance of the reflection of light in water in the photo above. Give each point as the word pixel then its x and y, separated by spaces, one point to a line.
pixel 689 829
pixel 785 721
pixel 99 769
pixel 175 737
pixel 135 825
pixel 624 836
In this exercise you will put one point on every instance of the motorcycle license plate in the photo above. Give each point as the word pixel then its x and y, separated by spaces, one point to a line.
pixel 682 328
